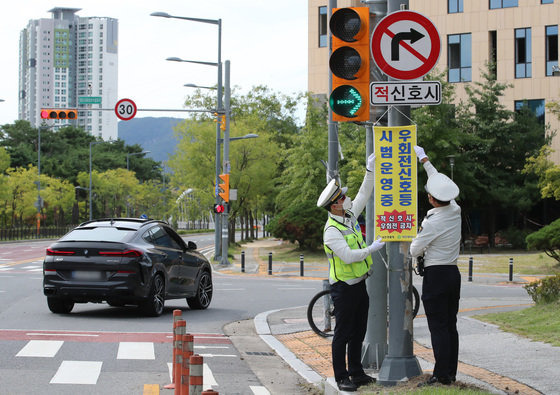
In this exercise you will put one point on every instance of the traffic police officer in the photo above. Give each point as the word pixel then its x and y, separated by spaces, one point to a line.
pixel 349 263
pixel 439 241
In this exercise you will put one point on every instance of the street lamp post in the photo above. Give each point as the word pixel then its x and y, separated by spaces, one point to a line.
pixel 128 155
pixel 219 109
pixel 91 144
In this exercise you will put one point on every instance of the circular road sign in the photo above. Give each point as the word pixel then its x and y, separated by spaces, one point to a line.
pixel 405 45
pixel 125 109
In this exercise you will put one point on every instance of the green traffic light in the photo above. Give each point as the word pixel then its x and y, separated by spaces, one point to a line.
pixel 345 101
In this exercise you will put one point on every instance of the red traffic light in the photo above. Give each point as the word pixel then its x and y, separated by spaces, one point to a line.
pixel 219 208
pixel 59 113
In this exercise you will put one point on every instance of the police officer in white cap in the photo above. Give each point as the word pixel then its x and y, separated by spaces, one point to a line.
pixel 349 264
pixel 439 242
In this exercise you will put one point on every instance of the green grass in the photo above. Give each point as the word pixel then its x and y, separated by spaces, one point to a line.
pixel 539 323
pixel 411 387
pixel 523 263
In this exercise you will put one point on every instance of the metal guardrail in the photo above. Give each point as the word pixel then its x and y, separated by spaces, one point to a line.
pixel 28 233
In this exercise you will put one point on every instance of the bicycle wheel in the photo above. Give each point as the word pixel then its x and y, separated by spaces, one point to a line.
pixel 320 314
pixel 415 301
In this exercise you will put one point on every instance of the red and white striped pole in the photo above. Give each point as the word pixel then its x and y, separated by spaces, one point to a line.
pixel 195 380
pixel 185 367
pixel 176 317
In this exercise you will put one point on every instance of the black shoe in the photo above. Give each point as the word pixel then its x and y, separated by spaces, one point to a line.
pixel 346 385
pixel 434 380
pixel 363 379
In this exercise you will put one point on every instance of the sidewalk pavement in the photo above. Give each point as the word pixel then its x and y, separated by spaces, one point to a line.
pixel 497 361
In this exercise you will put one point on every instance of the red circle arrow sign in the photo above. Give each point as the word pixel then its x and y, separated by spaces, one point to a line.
pixel 405 45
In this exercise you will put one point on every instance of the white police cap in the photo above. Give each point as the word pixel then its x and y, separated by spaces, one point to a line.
pixel 331 193
pixel 442 187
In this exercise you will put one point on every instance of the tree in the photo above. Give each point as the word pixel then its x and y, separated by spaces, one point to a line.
pixel 302 222
pixel 547 239
pixel 493 153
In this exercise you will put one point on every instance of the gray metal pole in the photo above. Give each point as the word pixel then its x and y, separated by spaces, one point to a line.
pixel 375 342
pixel 226 167
pixel 332 170
pixel 217 217
pixel 400 363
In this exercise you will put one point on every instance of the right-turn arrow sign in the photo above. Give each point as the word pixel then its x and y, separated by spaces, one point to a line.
pixel 405 45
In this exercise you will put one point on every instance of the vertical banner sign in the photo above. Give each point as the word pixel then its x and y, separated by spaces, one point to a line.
pixel 396 216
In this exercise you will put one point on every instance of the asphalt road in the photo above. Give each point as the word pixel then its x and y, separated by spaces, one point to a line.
pixel 107 350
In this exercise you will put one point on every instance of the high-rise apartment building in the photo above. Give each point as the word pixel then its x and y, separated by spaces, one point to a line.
pixel 70 61
pixel 519 36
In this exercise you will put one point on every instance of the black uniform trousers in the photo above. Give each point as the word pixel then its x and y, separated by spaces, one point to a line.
pixel 351 303
pixel 441 289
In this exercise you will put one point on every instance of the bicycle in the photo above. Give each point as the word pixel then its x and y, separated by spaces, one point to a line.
pixel 320 312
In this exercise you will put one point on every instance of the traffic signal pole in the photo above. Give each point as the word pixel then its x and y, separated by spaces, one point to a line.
pixel 375 343
pixel 332 170
pixel 400 363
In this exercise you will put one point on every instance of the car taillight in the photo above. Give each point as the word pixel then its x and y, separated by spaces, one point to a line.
pixel 127 253
pixel 50 251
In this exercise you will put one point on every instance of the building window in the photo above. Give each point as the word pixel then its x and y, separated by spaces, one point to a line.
pixel 523 53
pixel 322 26
pixel 454 6
pixel 551 45
pixel 459 57
pixel 502 4
pixel 536 106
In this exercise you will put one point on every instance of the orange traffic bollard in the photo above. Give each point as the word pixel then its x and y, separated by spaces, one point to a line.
pixel 178 345
pixel 176 317
pixel 195 379
pixel 185 368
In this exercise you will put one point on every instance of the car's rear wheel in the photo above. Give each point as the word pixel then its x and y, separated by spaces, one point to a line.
pixel 59 305
pixel 153 306
pixel 203 295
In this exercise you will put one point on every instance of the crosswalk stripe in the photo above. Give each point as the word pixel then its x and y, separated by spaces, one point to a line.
pixel 77 372
pixel 259 390
pixel 207 376
pixel 136 350
pixel 40 348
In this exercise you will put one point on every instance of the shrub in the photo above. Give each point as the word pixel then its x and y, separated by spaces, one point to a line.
pixel 544 291
pixel 547 239
pixel 302 222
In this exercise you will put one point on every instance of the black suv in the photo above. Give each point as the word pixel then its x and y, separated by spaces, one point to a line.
pixel 125 261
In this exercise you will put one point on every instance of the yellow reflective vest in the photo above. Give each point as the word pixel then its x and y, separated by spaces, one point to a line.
pixel 340 271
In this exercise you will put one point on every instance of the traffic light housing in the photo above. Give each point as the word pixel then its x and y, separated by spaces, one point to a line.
pixel 224 186
pixel 65 113
pixel 219 208
pixel 349 64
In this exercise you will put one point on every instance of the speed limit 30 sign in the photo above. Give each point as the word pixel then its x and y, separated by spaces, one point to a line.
pixel 125 109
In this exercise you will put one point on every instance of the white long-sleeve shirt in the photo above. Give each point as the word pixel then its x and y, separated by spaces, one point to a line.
pixel 440 237
pixel 334 239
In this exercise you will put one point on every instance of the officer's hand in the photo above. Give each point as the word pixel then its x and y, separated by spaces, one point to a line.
pixel 420 153
pixel 370 162
pixel 376 245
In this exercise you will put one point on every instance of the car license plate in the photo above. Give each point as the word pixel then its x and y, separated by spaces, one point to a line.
pixel 86 275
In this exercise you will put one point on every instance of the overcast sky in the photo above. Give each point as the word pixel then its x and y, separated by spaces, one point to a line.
pixel 266 42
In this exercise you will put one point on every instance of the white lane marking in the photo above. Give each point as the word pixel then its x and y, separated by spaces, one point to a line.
pixel 211 347
pixel 32 267
pixel 40 348
pixel 218 355
pixel 170 368
pixel 60 334
pixel 136 350
pixel 77 372
pixel 259 390
pixel 207 376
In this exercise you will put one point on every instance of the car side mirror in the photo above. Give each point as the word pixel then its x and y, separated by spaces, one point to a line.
pixel 191 245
